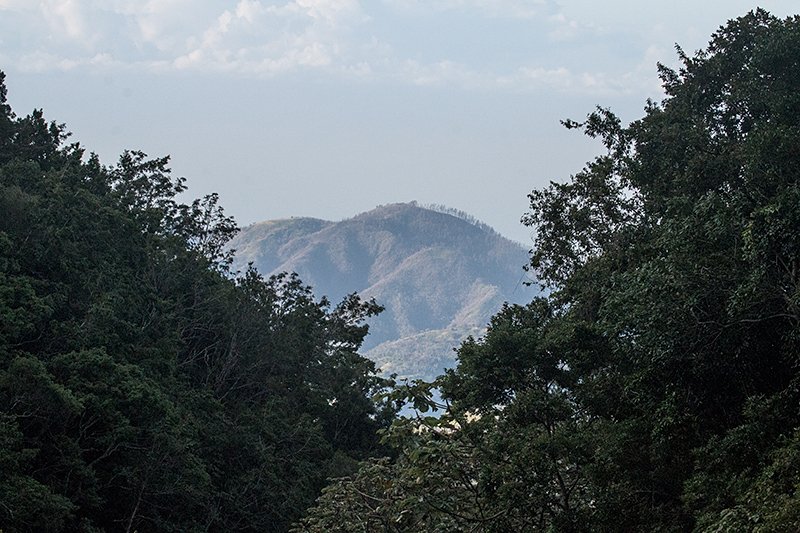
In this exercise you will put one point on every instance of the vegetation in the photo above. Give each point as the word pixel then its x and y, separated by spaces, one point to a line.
pixel 656 388
pixel 439 208
pixel 142 387
pixel 421 356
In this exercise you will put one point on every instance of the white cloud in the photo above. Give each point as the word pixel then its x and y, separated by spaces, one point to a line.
pixel 17 5
pixel 257 39
pixel 45 62
pixel 164 24
pixel 270 37
pixel 524 9
pixel 559 77
pixel 568 81
pixel 441 73
pixel 249 10
pixel 66 17
pixel 331 10
pixel 565 29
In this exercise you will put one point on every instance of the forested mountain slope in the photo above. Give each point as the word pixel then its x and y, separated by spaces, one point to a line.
pixel 439 276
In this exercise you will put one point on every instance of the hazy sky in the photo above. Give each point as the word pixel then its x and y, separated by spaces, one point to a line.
pixel 328 108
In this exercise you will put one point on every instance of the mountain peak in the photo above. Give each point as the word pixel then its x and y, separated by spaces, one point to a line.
pixel 440 273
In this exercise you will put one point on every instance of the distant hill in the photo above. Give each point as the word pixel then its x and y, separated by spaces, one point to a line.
pixel 440 274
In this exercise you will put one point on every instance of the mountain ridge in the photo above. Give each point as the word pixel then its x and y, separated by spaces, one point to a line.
pixel 433 271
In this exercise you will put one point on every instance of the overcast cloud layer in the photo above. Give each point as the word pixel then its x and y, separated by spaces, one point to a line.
pixel 506 44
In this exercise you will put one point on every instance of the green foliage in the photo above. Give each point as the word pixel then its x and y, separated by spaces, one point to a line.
pixel 656 388
pixel 142 386
pixel 421 356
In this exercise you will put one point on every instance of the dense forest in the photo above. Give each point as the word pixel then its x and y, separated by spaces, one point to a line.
pixel 656 388
pixel 144 386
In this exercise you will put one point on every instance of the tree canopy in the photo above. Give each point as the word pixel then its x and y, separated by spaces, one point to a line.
pixel 656 388
pixel 143 386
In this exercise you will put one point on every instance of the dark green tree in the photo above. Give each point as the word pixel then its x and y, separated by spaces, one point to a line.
pixel 657 388
pixel 144 386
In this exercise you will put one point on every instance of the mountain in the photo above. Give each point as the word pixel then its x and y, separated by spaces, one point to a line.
pixel 440 274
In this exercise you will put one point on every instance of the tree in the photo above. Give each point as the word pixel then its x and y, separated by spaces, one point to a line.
pixel 143 385
pixel 657 388
pixel 656 243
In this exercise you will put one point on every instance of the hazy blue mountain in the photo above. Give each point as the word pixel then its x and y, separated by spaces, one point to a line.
pixel 439 273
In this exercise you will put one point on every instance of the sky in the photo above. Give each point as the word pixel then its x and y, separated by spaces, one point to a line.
pixel 329 108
